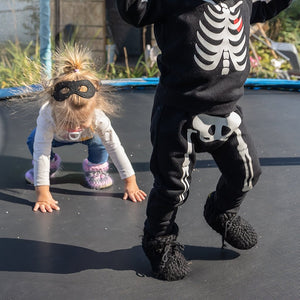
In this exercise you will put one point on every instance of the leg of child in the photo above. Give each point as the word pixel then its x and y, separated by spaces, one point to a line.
pixel 171 164
pixel 97 153
pixel 239 165
pixel 96 166
pixel 54 158
pixel 30 142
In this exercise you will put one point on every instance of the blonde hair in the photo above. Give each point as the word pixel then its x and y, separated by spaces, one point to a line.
pixel 73 63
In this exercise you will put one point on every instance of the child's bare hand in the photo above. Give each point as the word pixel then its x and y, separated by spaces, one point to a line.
pixel 45 206
pixel 45 202
pixel 132 191
pixel 135 196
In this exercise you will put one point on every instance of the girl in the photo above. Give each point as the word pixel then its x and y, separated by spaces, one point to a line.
pixel 74 112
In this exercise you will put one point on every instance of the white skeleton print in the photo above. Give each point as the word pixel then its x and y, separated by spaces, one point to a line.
pixel 229 41
pixel 213 128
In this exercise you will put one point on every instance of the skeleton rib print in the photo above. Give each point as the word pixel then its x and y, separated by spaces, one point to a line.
pixel 221 39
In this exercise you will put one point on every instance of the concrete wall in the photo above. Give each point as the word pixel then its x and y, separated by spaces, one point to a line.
pixel 20 19
pixel 88 17
pixel 16 20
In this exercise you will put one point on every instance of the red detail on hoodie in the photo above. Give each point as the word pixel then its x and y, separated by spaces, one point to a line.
pixel 241 25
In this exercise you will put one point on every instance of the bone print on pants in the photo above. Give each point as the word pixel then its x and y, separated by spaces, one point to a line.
pixel 176 138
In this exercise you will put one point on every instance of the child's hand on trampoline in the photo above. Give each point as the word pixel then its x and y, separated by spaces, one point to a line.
pixel 132 191
pixel 45 202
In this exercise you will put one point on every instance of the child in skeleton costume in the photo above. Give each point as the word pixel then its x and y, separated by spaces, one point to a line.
pixel 204 64
pixel 74 112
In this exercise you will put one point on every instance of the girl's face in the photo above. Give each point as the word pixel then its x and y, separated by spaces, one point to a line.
pixel 74 114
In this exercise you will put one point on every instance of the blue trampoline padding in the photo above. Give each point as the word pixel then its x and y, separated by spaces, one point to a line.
pixel 18 91
pixel 153 81
pixel 144 81
pixel 273 83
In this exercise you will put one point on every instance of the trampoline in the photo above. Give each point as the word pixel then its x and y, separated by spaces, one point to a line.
pixel 91 248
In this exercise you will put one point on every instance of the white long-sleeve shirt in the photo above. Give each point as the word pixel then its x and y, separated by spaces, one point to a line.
pixel 46 132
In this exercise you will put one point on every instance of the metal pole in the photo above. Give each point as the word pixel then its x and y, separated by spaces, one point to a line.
pixel 45 38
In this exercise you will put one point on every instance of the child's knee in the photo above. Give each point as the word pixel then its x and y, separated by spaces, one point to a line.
pixel 30 139
pixel 251 180
pixel 256 174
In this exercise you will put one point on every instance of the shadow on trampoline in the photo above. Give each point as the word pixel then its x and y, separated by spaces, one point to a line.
pixel 16 165
pixel 75 176
pixel 264 161
pixel 19 255
pixel 16 200
pixel 46 255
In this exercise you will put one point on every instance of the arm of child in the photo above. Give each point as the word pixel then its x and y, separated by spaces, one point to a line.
pixel 132 190
pixel 41 157
pixel 265 10
pixel 44 200
pixel 117 154
pixel 145 12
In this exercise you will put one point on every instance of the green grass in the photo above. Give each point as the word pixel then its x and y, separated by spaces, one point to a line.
pixel 19 65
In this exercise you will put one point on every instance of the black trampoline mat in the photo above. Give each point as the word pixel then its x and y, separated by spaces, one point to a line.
pixel 91 248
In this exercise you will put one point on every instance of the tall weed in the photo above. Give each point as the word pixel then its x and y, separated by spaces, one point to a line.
pixel 19 65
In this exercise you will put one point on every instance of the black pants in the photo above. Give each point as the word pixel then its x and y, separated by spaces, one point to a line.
pixel 176 138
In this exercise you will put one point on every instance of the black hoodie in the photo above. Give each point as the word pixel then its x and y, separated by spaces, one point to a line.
pixel 204 47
